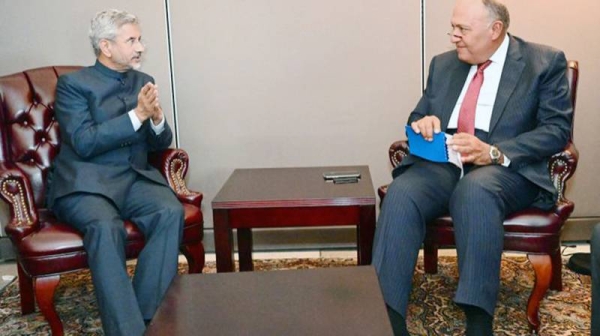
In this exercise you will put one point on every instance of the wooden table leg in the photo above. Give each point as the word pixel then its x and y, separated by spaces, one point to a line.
pixel 365 232
pixel 244 239
pixel 223 241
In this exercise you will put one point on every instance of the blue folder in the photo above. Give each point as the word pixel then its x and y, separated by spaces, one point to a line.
pixel 435 150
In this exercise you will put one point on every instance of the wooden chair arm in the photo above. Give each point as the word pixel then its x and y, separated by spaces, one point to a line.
pixel 562 166
pixel 15 190
pixel 398 150
pixel 173 165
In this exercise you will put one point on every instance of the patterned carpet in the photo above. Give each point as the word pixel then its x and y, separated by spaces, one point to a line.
pixel 431 311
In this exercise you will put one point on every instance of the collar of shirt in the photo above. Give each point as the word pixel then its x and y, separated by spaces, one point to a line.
pixel 500 55
pixel 109 72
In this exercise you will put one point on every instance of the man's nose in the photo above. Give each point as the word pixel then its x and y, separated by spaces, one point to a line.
pixel 454 38
pixel 139 47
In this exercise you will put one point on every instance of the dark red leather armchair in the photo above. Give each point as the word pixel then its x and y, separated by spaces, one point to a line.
pixel 532 231
pixel 45 247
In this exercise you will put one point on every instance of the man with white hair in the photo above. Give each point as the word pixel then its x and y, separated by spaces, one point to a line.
pixel 110 118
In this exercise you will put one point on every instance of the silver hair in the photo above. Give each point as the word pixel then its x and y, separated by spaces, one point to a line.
pixel 498 11
pixel 105 25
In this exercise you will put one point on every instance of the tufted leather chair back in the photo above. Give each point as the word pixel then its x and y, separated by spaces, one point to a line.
pixel 29 133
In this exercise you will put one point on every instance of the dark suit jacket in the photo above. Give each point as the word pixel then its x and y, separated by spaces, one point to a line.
pixel 100 151
pixel 532 114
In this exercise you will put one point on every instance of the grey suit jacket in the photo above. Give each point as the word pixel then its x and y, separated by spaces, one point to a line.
pixel 532 114
pixel 100 151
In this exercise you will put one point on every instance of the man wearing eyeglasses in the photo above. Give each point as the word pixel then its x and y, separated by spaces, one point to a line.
pixel 110 117
pixel 506 102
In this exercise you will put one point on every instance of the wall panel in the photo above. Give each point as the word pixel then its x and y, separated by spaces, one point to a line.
pixel 266 83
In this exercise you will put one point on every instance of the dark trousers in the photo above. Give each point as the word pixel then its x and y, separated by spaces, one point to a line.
pixel 595 250
pixel 477 203
pixel 125 304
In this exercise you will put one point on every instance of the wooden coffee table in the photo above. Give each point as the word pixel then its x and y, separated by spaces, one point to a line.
pixel 325 301
pixel 290 197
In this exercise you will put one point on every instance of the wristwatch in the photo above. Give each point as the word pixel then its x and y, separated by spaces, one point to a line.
pixel 495 154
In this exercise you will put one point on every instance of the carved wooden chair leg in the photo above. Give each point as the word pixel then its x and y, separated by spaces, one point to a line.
pixel 44 292
pixel 542 266
pixel 430 258
pixel 25 291
pixel 556 283
pixel 194 253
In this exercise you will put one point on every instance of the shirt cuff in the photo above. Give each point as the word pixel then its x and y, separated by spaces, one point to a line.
pixel 134 120
pixel 137 124
pixel 158 128
pixel 506 161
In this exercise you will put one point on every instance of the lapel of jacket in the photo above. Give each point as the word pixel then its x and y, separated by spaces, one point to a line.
pixel 457 81
pixel 511 73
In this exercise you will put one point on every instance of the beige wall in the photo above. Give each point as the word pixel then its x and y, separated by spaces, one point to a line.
pixel 292 83
pixel 267 83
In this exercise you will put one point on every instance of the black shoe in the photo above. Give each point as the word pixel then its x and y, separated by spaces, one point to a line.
pixel 398 322
pixel 479 322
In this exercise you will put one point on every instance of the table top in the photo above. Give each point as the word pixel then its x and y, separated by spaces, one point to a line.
pixel 324 301
pixel 293 187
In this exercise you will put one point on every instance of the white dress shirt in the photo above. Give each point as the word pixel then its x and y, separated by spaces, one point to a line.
pixel 487 94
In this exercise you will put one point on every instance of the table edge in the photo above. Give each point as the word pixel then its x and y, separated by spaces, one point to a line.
pixel 294 203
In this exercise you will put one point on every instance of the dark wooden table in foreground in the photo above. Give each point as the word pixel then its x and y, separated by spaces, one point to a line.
pixel 290 197
pixel 324 301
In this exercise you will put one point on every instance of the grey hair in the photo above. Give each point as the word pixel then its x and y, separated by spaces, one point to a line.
pixel 498 11
pixel 105 25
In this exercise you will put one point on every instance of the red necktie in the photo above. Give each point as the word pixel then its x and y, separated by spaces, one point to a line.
pixel 466 116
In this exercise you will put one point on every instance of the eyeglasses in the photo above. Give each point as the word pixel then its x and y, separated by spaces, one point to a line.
pixel 465 30
pixel 130 41
pixel 462 31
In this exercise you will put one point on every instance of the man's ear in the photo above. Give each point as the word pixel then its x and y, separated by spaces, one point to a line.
pixel 105 48
pixel 497 29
